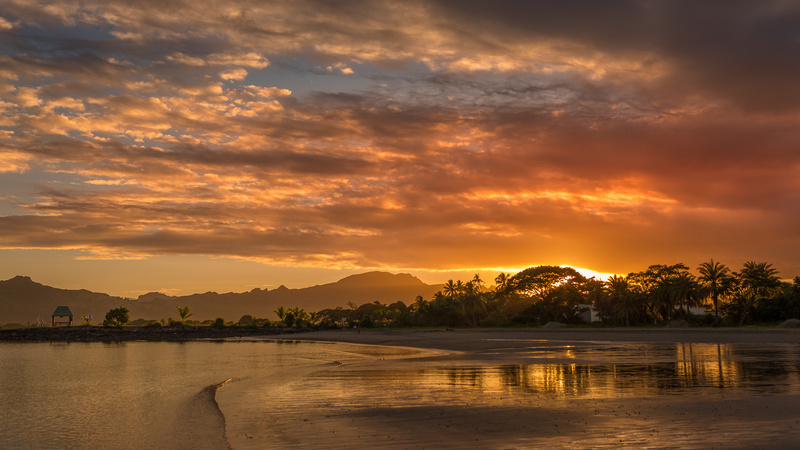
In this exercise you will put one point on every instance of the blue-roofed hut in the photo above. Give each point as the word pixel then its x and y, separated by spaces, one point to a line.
pixel 64 316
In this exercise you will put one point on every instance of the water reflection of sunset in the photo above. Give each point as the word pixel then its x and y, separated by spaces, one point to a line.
pixel 709 364
pixel 695 365
pixel 648 370
pixel 595 394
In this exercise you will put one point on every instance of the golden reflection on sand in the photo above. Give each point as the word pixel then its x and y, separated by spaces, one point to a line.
pixel 530 394
pixel 709 364
pixel 692 365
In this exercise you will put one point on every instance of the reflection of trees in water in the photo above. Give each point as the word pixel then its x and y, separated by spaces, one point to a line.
pixel 771 369
pixel 568 379
pixel 709 365
pixel 684 366
pixel 466 377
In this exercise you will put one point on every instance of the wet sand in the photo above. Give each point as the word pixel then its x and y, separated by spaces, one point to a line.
pixel 446 399
pixel 469 340
pixel 200 423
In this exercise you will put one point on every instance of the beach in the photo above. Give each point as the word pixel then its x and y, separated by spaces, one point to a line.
pixel 390 388
pixel 467 340
pixel 534 388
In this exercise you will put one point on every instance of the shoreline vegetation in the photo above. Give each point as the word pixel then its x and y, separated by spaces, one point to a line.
pixel 662 295
pixel 549 296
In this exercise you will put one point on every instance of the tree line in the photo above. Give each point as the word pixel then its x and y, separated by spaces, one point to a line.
pixel 716 295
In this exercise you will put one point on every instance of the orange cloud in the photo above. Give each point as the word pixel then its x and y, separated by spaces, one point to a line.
pixel 436 135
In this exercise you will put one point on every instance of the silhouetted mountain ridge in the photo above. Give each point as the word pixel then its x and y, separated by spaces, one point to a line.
pixel 151 296
pixel 372 279
pixel 23 300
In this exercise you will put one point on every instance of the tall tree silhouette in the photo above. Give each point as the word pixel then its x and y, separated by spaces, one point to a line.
pixel 450 288
pixel 477 282
pixel 661 280
pixel 716 280
pixel 684 289
pixel 756 281
pixel 626 302
pixel 183 312
pixel 281 312
pixel 501 281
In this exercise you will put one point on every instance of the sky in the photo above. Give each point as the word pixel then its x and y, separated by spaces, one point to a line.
pixel 188 146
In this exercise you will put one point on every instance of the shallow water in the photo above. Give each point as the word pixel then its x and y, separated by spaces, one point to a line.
pixel 595 371
pixel 156 395
pixel 679 395
pixel 134 395
pixel 614 371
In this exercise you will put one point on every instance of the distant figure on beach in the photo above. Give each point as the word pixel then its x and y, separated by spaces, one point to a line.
pixel 359 328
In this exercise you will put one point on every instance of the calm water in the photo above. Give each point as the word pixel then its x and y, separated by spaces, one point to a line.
pixel 593 372
pixel 136 395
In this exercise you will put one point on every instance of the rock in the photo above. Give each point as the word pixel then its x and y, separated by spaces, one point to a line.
pixel 553 325
pixel 678 324
pixel 791 323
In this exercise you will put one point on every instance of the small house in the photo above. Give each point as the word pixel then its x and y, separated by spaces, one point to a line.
pixel 62 316
pixel 588 313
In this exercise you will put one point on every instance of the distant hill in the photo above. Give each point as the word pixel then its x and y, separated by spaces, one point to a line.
pixel 23 300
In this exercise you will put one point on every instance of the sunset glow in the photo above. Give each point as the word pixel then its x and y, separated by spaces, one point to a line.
pixel 186 147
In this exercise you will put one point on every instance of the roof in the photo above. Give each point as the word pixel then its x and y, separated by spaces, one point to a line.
pixel 62 311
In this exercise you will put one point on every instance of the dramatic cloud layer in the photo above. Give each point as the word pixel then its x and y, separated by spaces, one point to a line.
pixel 430 135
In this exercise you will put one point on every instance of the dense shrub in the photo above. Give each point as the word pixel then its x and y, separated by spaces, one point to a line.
pixel 367 322
pixel 117 317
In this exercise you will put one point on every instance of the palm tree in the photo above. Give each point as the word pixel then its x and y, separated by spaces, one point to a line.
pixel 761 278
pixel 623 304
pixel 714 276
pixel 501 281
pixel 183 311
pixel 644 284
pixel 460 287
pixel 473 305
pixel 418 305
pixel 477 282
pixel 450 288
pixel 469 288
pixel 684 290
pixel 662 290
pixel 756 280
pixel 281 313
pixel 299 315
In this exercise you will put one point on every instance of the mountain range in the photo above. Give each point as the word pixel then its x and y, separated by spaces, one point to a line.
pixel 23 300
